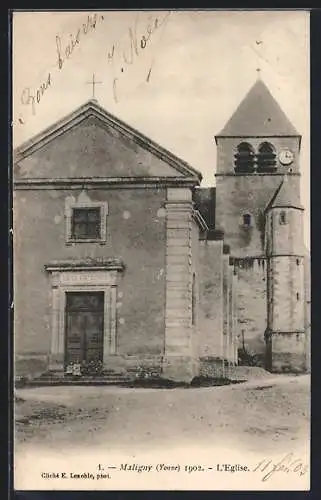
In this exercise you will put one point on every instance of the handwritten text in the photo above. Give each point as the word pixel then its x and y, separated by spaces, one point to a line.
pixel 125 55
pixel 65 47
pixel 288 464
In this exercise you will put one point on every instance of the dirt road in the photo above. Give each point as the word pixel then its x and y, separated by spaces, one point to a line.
pixel 273 413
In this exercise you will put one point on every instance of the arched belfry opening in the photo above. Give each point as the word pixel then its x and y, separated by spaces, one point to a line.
pixel 245 158
pixel 266 158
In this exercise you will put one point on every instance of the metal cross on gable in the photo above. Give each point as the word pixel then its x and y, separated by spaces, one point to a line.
pixel 94 82
pixel 257 47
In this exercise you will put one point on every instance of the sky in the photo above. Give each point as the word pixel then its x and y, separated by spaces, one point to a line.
pixel 176 76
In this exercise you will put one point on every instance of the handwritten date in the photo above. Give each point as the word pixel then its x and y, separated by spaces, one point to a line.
pixel 288 464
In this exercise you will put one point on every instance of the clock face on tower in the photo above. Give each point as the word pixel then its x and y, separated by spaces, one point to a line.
pixel 286 157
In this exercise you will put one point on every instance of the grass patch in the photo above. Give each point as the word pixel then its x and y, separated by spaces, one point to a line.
pixel 18 399
pixel 261 388
pixel 55 413
pixel 212 381
pixel 33 412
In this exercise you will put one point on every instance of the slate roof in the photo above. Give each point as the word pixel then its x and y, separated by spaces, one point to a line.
pixel 285 196
pixel 258 115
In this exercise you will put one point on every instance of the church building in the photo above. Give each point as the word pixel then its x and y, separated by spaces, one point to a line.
pixel 125 267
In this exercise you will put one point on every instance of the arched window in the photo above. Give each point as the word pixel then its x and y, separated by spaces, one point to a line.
pixel 266 158
pixel 247 220
pixel 245 158
pixel 282 219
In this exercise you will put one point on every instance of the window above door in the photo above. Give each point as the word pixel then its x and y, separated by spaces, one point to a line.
pixel 86 223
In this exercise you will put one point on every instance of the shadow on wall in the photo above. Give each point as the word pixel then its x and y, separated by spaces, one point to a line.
pixel 261 227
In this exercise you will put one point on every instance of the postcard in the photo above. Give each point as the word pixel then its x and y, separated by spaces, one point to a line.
pixel 161 249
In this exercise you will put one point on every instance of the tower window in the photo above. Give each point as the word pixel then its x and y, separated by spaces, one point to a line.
pixel 297 262
pixel 282 219
pixel 266 158
pixel 245 158
pixel 297 296
pixel 247 220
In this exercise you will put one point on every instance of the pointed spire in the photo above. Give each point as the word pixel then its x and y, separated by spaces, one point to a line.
pixel 258 115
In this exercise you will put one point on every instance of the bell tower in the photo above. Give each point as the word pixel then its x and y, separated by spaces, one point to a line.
pixel 257 146
pixel 255 150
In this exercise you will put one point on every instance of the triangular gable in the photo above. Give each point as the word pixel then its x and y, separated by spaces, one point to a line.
pixel 90 142
pixel 258 115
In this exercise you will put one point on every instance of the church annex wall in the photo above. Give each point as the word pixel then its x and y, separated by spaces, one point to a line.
pixel 196 298
pixel 252 302
pixel 211 293
pixel 211 309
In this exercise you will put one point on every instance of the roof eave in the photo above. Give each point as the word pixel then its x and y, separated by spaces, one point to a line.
pixel 287 205
pixel 243 136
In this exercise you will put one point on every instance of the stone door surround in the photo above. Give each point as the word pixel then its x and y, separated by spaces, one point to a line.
pixel 83 276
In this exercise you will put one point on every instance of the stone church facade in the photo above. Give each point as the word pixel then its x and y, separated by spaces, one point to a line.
pixel 124 265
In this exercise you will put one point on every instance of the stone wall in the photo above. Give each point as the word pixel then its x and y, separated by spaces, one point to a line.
pixel 236 331
pixel 197 298
pixel 285 239
pixel 288 352
pixel 212 367
pixel 287 307
pixel 307 317
pixel 251 302
pixel 211 303
pixel 245 194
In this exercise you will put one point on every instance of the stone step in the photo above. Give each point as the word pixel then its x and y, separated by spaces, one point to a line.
pixel 77 381
pixel 105 374
pixel 109 377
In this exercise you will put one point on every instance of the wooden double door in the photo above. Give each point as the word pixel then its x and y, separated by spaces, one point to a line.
pixel 84 327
